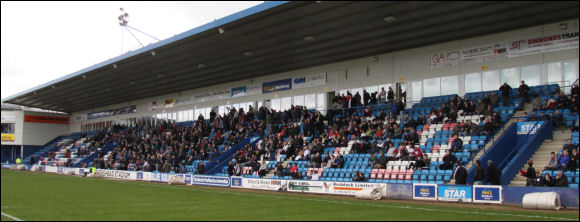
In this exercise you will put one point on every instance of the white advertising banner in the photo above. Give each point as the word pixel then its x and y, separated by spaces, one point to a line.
pixel 501 50
pixel 483 53
pixel 260 184
pixel 119 174
pixel 328 187
pixel 309 81
pixel 546 43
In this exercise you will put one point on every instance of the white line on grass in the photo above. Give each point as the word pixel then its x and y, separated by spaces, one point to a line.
pixel 11 217
pixel 343 202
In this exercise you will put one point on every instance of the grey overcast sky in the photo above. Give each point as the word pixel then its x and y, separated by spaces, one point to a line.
pixel 43 41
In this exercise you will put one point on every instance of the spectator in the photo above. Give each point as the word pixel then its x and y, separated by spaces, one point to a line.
pixel 547 181
pixel 448 161
pixel 561 180
pixel 568 146
pixel 494 100
pixel 573 165
pixel 493 174
pixel 552 163
pixel 479 176
pixel 537 103
pixel 263 170
pixel 530 174
pixel 456 144
pixel 460 174
pixel 390 94
pixel 238 169
pixel 563 160
pixel 523 91
pixel 231 169
pixel 200 168
pixel 382 162
pixel 505 94
pixel 382 95
pixel 314 175
pixel 373 160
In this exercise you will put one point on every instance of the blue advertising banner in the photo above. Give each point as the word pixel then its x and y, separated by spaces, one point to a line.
pixel 525 127
pixel 139 175
pixel 160 177
pixel 239 91
pixel 211 180
pixel 487 194
pixel 187 178
pixel 279 85
pixel 454 193
pixel 425 191
pixel 236 182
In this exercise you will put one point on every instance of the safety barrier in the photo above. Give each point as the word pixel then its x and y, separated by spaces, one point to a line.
pixel 434 192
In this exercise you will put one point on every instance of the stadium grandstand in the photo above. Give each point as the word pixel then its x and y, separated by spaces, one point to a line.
pixel 443 95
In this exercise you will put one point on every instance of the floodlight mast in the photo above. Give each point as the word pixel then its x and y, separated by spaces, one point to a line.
pixel 124 23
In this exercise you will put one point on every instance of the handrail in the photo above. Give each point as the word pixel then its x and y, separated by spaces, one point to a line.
pixel 526 150
pixel 515 151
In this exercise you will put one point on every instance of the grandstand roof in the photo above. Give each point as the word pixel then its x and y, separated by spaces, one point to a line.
pixel 273 37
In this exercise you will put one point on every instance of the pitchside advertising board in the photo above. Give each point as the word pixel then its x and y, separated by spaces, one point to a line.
pixel 328 187
pixel 531 127
pixel 119 174
pixel 487 194
pixel 211 180
pixel 260 184
pixel 425 191
pixel 454 193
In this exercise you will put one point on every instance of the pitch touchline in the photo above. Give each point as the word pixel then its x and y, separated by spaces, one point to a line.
pixel 342 202
pixel 11 217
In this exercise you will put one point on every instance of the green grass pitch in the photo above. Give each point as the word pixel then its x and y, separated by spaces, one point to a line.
pixel 41 196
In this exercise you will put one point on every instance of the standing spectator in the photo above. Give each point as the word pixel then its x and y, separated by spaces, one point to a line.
pixel 390 94
pixel 561 180
pixel 200 168
pixel 366 97
pixel 479 174
pixel 460 174
pixel 530 174
pixel 231 169
pixel 523 91
pixel 382 95
pixel 493 174
pixel 505 93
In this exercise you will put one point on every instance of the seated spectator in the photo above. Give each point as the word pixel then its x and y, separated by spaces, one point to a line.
pixel 552 163
pixel 547 181
pixel 561 180
pixel 382 162
pixel 557 119
pixel 568 146
pixel 563 160
pixel 314 175
pixel 457 144
pixel 421 163
pixel 537 103
pixel 373 160
pixel 448 161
